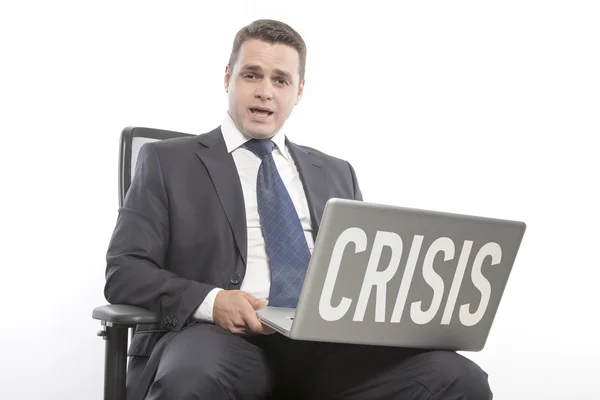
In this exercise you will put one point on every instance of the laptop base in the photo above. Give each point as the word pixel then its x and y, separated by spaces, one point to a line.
pixel 278 318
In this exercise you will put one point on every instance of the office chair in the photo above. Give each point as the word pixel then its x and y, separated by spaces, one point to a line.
pixel 118 319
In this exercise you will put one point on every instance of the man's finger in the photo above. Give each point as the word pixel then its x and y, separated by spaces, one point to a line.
pixel 256 303
pixel 251 320
pixel 260 304
pixel 267 330
pixel 249 297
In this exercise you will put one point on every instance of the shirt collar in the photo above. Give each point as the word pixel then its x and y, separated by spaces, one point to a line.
pixel 234 138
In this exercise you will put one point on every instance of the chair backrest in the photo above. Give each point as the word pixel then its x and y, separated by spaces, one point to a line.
pixel 132 139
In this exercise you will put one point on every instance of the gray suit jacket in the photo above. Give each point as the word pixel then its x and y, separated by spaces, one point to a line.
pixel 182 229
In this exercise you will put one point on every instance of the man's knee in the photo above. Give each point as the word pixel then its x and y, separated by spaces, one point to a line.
pixel 187 380
pixel 206 362
pixel 458 377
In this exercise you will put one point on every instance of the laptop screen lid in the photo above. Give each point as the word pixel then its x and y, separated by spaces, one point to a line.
pixel 389 275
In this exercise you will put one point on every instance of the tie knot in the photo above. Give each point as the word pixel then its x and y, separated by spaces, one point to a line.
pixel 260 147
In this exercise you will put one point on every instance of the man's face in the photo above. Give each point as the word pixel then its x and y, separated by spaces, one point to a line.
pixel 263 87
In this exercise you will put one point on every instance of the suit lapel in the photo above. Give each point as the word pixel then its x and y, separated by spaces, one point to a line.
pixel 225 178
pixel 226 181
pixel 314 179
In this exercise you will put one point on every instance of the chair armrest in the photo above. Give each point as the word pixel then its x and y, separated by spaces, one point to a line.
pixel 124 315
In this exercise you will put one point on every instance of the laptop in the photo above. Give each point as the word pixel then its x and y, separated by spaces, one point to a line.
pixel 396 276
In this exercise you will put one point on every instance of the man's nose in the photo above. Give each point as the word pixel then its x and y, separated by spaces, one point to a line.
pixel 264 91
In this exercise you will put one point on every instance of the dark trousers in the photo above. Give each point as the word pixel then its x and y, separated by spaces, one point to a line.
pixel 205 362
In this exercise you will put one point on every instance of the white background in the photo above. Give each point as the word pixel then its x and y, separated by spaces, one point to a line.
pixel 485 108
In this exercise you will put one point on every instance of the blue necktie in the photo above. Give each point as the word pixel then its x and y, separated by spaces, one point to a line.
pixel 286 244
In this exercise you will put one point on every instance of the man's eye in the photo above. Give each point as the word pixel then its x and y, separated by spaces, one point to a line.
pixel 281 81
pixel 250 76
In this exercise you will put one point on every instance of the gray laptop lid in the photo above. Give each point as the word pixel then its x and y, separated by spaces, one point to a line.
pixel 397 276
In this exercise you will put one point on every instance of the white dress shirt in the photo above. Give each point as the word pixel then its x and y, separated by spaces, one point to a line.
pixel 257 279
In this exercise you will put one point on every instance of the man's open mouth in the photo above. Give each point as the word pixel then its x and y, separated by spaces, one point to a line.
pixel 260 112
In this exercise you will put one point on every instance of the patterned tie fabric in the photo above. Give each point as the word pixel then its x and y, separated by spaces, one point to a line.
pixel 286 244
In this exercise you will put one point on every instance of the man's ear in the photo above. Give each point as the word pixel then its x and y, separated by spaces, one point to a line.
pixel 300 92
pixel 227 78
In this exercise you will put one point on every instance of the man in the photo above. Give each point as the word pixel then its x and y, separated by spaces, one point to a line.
pixel 194 243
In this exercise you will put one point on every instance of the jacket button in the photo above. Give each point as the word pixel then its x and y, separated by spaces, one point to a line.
pixel 168 320
pixel 235 279
pixel 174 321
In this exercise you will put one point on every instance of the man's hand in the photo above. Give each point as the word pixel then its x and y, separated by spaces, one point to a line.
pixel 235 311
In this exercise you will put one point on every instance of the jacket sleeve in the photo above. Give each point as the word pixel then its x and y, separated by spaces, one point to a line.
pixel 357 192
pixel 136 270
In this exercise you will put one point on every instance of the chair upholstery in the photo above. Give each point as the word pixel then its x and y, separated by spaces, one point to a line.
pixel 118 319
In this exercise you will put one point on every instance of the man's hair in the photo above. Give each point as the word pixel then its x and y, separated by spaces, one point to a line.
pixel 270 31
